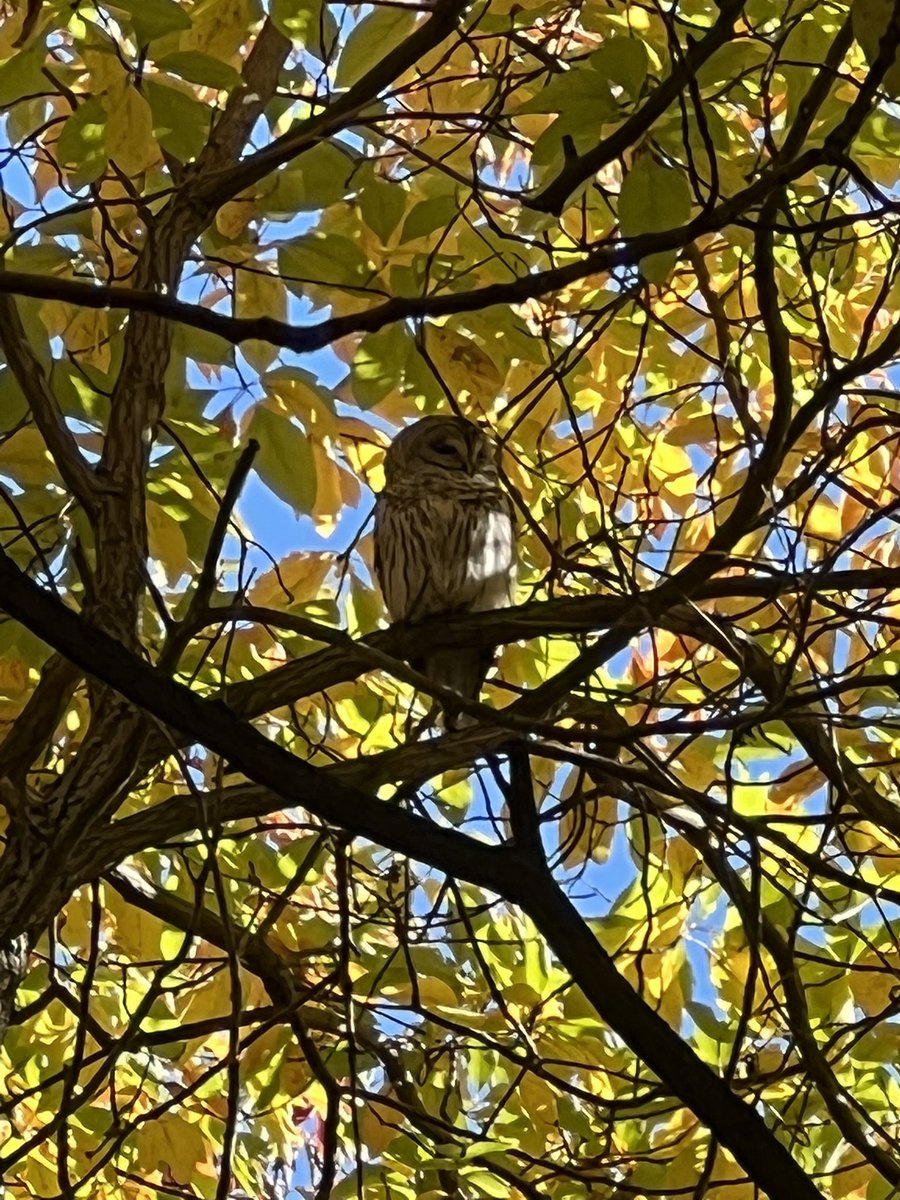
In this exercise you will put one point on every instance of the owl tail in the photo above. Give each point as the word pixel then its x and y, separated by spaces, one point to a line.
pixel 462 670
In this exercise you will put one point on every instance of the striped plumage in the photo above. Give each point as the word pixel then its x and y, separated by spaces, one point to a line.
pixel 444 537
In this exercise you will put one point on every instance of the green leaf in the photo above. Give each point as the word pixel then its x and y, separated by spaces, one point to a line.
pixel 22 76
pixel 300 393
pixel 153 18
pixel 202 346
pixel 180 123
pixel 316 180
pixel 82 144
pixel 621 61
pixel 487 1184
pixel 800 59
pixel 322 258
pixel 378 364
pixel 582 89
pixel 75 395
pixel 200 68
pixel 730 64
pixel 370 41
pixel 429 215
pixel 13 405
pixel 285 461
pixel 382 204
pixel 870 22
pixel 129 133
pixel 652 199
pixel 308 23
pixel 258 294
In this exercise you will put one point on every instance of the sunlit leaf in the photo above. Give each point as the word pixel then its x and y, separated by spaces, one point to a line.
pixel 82 145
pixel 200 68
pixel 653 198
pixel 285 462
pixel 153 18
pixel 371 39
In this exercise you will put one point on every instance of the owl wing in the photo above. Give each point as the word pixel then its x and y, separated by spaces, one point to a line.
pixel 404 556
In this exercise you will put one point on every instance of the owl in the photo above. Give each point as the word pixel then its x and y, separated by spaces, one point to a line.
pixel 445 539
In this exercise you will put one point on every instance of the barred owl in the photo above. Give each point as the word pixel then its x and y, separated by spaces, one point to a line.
pixel 445 538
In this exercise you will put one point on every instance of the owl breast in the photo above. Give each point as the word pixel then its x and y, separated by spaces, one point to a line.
pixel 444 553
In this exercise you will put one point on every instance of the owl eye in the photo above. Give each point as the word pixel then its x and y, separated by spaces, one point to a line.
pixel 445 448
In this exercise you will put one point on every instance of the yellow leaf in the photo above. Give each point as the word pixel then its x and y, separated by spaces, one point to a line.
pixel 167 545
pixel 696 763
pixel 13 681
pixel 539 1102
pixel 873 979
pixel 25 458
pixel 218 27
pixel 823 519
pixel 301 398
pixel 379 1125
pixel 259 294
pixel 464 367
pixel 329 493
pixel 671 465
pixel 851 1177
pixel 41 1175
pixel 207 1000
pixel 301 574
pixel 129 132
pixel 435 991
pixel 853 511
pixel 107 71
pixel 588 824
pixel 432 991
pixel 803 779
pixel 87 337
pixel 232 218
pixel 56 316
pixel 172 1142
pixel 135 932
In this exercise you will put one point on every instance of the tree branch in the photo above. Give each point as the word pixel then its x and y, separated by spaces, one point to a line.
pixel 580 167
pixel 735 1124
pixel 216 727
pixel 220 185
pixel 527 287
pixel 501 870
pixel 23 362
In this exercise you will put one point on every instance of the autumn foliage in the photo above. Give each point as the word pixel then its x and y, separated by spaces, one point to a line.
pixel 265 928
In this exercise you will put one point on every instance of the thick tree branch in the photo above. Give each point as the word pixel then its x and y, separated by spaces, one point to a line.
pixel 216 726
pixel 527 287
pixel 500 870
pixel 138 397
pixel 542 618
pixel 736 1124
pixel 305 339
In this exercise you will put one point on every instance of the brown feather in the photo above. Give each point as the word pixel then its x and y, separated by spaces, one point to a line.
pixel 444 538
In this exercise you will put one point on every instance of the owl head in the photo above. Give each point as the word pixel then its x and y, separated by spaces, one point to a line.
pixel 451 449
